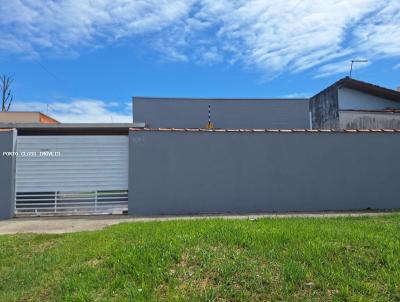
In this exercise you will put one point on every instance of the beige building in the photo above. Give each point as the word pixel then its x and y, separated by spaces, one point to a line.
pixel 12 117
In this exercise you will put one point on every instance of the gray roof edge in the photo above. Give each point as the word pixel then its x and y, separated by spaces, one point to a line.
pixel 268 130
pixel 159 98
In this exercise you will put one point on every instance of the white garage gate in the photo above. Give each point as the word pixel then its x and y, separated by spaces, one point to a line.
pixel 71 174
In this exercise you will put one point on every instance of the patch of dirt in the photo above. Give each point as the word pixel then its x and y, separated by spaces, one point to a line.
pixel 218 271
pixel 44 246
pixel 94 262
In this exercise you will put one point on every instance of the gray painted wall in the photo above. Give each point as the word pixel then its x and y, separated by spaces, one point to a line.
pixel 226 113
pixel 369 120
pixel 354 99
pixel 7 164
pixel 324 109
pixel 174 172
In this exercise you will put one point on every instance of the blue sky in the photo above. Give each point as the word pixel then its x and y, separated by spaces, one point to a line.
pixel 82 61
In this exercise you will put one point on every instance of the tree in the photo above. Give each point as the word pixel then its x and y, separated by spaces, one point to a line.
pixel 5 90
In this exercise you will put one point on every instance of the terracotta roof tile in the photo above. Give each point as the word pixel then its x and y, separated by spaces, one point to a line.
pixel 266 130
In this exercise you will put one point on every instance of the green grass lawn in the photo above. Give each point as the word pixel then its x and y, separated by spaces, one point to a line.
pixel 294 259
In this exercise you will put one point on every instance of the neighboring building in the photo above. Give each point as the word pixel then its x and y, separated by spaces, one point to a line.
pixel 347 104
pixel 19 117
pixel 225 113
pixel 353 104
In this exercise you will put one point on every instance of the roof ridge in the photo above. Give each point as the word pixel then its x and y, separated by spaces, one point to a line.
pixel 365 87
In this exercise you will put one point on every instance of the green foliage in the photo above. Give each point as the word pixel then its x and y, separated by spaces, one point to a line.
pixel 296 259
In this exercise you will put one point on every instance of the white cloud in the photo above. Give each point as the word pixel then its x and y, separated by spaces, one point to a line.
pixel 274 36
pixel 61 26
pixel 277 35
pixel 397 66
pixel 297 95
pixel 380 34
pixel 80 111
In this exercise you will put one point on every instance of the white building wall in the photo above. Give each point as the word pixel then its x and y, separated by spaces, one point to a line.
pixel 354 99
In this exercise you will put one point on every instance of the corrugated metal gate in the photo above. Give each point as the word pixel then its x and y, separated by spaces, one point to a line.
pixel 71 175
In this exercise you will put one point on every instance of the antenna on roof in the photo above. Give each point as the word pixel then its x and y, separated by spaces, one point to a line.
pixel 356 61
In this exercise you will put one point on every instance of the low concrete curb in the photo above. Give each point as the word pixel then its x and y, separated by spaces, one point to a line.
pixel 59 225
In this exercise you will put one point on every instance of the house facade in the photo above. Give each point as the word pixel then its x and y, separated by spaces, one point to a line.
pixel 258 156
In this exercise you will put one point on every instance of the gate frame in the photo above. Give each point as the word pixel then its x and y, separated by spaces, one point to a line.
pixel 7 184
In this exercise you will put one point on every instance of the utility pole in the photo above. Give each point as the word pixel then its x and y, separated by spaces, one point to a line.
pixel 209 124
